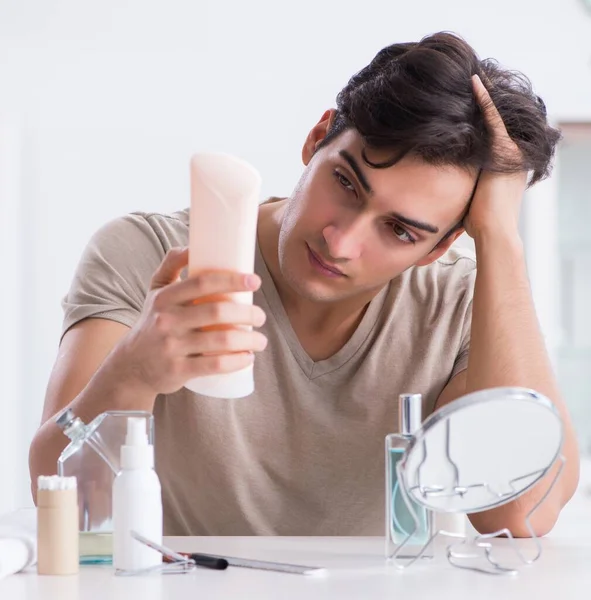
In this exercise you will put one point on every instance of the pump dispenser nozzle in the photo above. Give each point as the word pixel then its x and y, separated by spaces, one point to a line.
pixel 137 453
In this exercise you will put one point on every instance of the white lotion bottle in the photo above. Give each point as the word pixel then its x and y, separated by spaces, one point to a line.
pixel 225 193
pixel 137 502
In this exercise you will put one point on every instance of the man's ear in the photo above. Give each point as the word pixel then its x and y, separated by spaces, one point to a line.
pixel 441 248
pixel 317 134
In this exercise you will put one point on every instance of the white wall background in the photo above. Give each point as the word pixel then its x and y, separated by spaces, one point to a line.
pixel 574 245
pixel 102 103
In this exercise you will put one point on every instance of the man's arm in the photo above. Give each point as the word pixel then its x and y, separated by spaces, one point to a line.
pixel 506 346
pixel 84 355
pixel 103 365
pixel 507 349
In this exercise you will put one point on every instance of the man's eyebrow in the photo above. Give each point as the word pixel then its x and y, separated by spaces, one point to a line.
pixel 357 170
pixel 365 184
pixel 413 223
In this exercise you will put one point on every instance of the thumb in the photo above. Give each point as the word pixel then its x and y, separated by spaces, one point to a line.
pixel 170 268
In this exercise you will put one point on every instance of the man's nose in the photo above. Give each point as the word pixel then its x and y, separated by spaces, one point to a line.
pixel 345 241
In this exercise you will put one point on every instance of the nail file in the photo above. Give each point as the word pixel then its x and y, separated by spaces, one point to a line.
pixel 267 565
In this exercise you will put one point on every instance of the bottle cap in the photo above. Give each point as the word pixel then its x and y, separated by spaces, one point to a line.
pixel 65 418
pixel 72 426
pixel 410 413
pixel 137 453
pixel 136 432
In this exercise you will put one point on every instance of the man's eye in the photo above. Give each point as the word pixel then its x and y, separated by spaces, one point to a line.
pixel 402 234
pixel 344 181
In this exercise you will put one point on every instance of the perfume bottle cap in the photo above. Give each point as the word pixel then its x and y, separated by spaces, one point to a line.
pixel 70 424
pixel 410 413
pixel 64 418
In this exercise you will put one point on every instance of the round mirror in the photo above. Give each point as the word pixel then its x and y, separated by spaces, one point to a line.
pixel 482 450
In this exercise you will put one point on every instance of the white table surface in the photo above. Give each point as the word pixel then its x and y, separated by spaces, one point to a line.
pixel 355 569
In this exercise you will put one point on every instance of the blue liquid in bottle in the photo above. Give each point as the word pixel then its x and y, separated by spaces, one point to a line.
pixel 402 522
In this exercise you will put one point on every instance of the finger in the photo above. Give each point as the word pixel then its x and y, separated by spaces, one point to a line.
pixel 208 284
pixel 218 313
pixel 221 363
pixel 492 117
pixel 170 268
pixel 222 342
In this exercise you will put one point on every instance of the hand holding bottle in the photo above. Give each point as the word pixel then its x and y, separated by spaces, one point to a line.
pixel 188 329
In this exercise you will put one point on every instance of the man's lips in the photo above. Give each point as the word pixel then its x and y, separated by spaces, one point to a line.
pixel 324 264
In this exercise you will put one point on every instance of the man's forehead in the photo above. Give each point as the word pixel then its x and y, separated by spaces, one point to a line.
pixel 418 183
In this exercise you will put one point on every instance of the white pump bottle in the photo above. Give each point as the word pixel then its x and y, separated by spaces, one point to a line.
pixel 137 502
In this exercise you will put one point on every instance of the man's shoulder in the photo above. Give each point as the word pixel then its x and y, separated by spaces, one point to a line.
pixel 175 223
pixel 443 282
pixel 134 244
pixel 140 228
pixel 457 261
pixel 179 217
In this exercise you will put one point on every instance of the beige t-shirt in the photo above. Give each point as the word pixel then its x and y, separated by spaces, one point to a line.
pixel 304 455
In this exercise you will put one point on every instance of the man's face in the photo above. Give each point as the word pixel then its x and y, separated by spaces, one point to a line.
pixel 366 225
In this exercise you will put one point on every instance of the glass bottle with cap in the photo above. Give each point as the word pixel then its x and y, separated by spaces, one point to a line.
pixel 400 522
pixel 92 456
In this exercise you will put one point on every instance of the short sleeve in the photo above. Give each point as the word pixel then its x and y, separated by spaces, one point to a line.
pixel 113 275
pixel 463 279
pixel 461 361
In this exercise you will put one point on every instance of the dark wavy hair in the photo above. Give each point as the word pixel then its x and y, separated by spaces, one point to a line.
pixel 417 98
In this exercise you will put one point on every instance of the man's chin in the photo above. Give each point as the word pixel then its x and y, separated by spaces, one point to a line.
pixel 314 291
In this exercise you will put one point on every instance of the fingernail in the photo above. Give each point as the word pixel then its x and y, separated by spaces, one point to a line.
pixel 252 281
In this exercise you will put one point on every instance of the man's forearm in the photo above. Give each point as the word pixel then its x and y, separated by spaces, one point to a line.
pixel 105 391
pixel 507 349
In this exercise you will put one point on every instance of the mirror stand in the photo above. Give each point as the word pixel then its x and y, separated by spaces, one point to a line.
pixel 478 547
pixel 504 442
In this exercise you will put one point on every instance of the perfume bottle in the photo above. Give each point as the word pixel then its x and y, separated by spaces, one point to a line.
pixel 93 457
pixel 400 523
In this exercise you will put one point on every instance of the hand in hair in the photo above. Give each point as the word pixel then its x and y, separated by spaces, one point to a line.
pixel 497 200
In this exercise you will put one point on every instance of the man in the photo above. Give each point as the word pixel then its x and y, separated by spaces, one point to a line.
pixel 363 299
